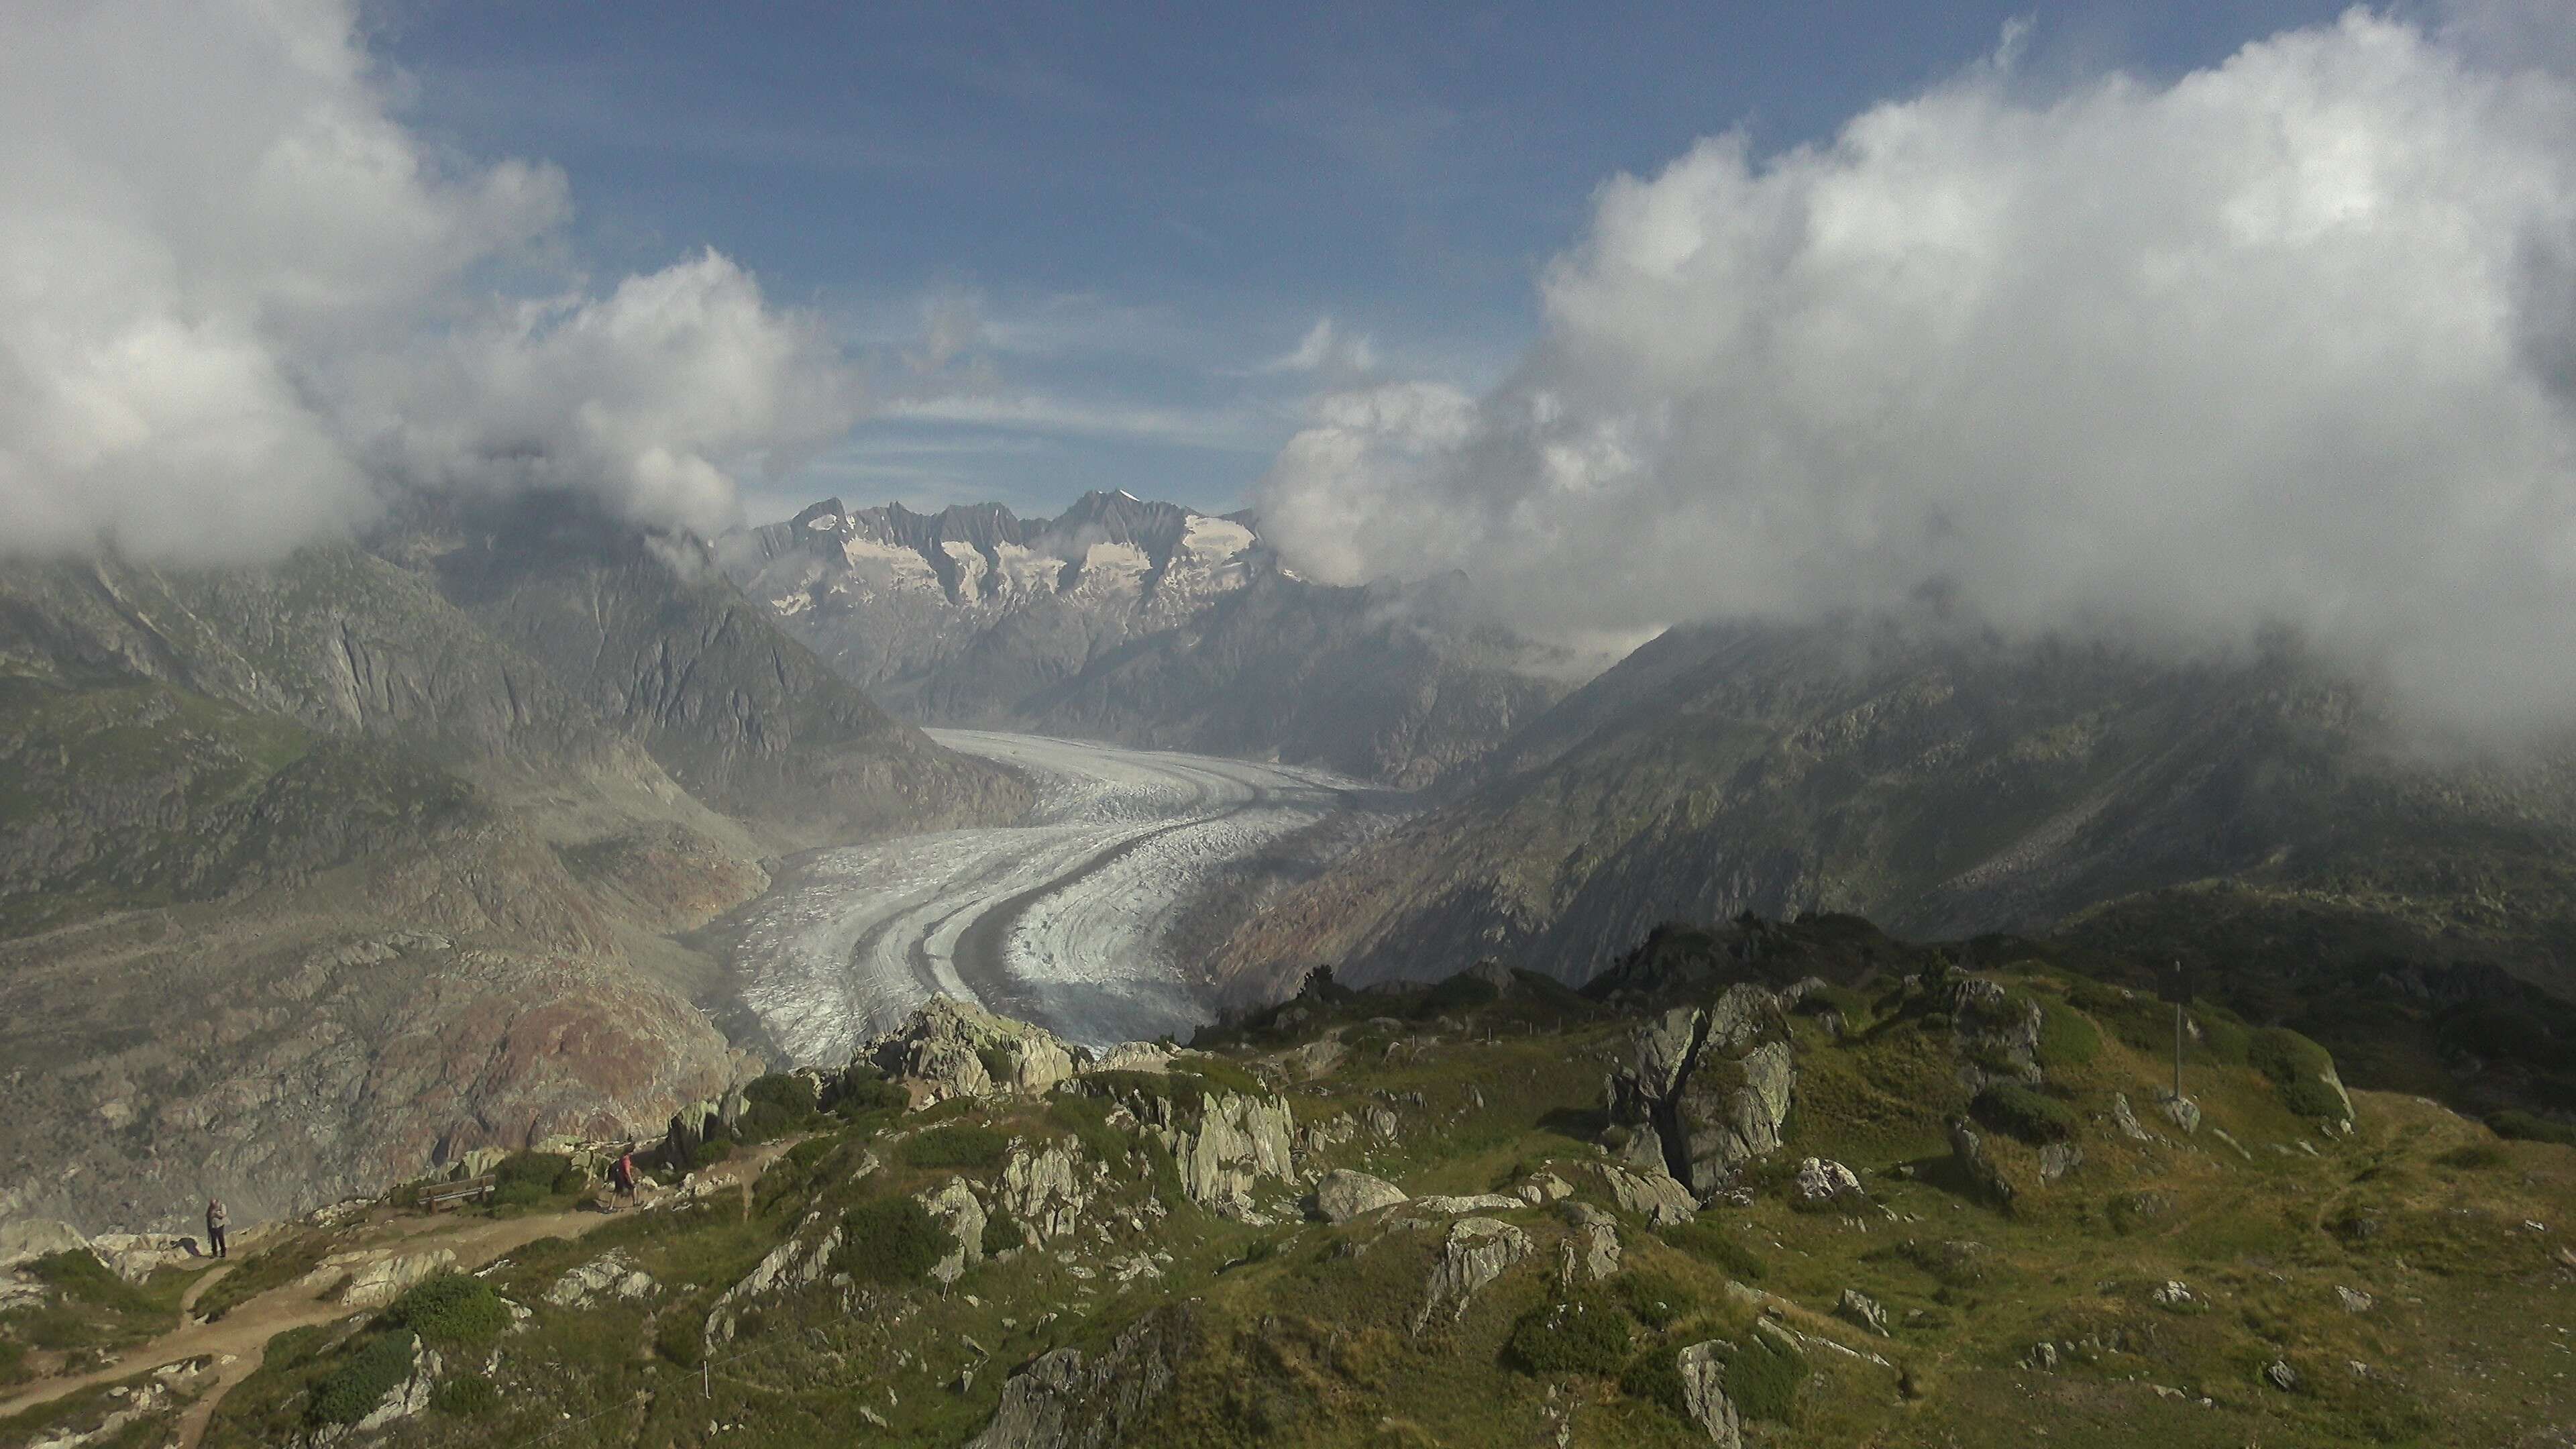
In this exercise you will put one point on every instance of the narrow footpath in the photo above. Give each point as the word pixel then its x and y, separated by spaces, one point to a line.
pixel 243 1333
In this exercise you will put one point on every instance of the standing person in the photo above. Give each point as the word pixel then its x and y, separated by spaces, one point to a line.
pixel 215 1221
pixel 626 1175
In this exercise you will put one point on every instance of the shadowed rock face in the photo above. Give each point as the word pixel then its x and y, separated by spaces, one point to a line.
pixel 1145 623
pixel 1947 786
pixel 1707 1088
pixel 1068 1399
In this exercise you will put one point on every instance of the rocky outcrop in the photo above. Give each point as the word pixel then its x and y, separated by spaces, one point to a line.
pixel 1822 1182
pixel 1703 1371
pixel 1706 1089
pixel 1998 1034
pixel 1863 1311
pixel 1225 1144
pixel 956 1208
pixel 958 1049
pixel 1652 1195
pixel 1073 1399
pixel 372 1279
pixel 1343 1195
pixel 1043 1189
pixel 1475 1253
pixel 610 1276
pixel 1983 1173
pixel 1592 1248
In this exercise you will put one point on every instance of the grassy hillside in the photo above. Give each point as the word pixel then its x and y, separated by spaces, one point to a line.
pixel 2268 1276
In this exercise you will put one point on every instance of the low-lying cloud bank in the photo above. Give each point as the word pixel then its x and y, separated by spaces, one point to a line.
pixel 240 302
pixel 2288 342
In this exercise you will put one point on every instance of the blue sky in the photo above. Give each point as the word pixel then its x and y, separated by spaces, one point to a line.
pixel 1088 241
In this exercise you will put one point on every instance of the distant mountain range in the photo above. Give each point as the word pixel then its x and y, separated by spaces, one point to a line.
pixel 1147 623
pixel 314 872
pixel 1952 785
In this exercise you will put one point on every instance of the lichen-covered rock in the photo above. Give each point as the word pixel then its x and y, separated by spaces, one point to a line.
pixel 1476 1252
pixel 1706 1089
pixel 1998 1032
pixel 792 1264
pixel 1070 1399
pixel 611 1275
pixel 1703 1370
pixel 2183 1112
pixel 955 1047
pixel 2058 1159
pixel 1043 1190
pixel 1654 1196
pixel 1822 1181
pixel 957 1210
pixel 1443 1205
pixel 1862 1310
pixel 1969 1147
pixel 1593 1246
pixel 1344 1195
pixel 375 1278
pixel 1542 1188
pixel 2125 1117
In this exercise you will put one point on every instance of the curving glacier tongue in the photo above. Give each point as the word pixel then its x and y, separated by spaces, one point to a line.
pixel 1072 919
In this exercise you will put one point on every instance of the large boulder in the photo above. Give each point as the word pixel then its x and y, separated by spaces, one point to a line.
pixel 1703 1369
pixel 1706 1088
pixel 958 1049
pixel 1344 1195
pixel 1653 1195
pixel 1224 1143
pixel 1043 1189
pixel 1476 1252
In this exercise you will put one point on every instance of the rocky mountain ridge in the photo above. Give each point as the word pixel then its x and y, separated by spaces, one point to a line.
pixel 1146 623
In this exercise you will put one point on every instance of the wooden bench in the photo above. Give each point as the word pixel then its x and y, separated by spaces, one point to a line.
pixel 452 1194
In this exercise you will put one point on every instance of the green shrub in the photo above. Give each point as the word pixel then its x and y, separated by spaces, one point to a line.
pixel 2066 1038
pixel 1709 1242
pixel 1585 1334
pixel 1763 1379
pixel 2476 1157
pixel 1000 1063
pixel 2524 1126
pixel 450 1308
pixel 680 1338
pixel 1087 1118
pixel 961 1144
pixel 2227 1041
pixel 345 1395
pixel 1657 1300
pixel 13 1360
pixel 2297 1068
pixel 864 1089
pixel 465 1396
pixel 2012 1108
pixel 2285 1056
pixel 1458 993
pixel 1001 1232
pixel 80 1277
pixel 527 1179
pixel 1655 1377
pixel 891 1240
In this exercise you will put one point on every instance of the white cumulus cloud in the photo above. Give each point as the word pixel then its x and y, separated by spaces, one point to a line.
pixel 2290 341
pixel 239 301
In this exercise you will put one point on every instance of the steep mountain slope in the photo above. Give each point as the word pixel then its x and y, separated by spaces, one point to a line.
pixel 312 874
pixel 1145 623
pixel 1948 786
